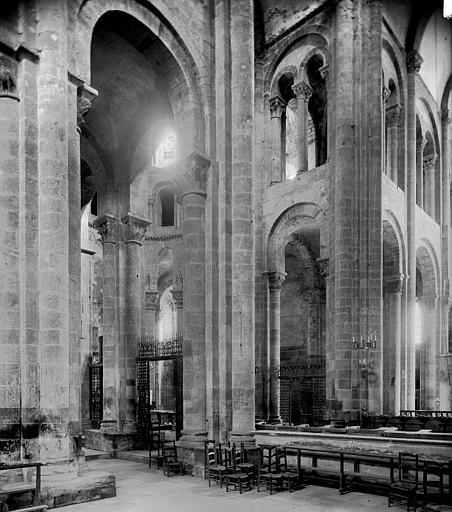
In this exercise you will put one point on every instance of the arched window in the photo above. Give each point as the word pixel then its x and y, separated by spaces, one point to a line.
pixel 318 111
pixel 167 206
pixel 289 131
pixel 166 152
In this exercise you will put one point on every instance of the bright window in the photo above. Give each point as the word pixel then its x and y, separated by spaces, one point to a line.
pixel 166 152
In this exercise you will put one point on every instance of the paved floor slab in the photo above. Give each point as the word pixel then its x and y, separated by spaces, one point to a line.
pixel 140 489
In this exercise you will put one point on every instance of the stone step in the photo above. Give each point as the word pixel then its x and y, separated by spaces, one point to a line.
pixel 96 454
pixel 135 456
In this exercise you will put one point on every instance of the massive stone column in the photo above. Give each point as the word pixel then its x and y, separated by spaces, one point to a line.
pixel 10 383
pixel 194 345
pixel 134 230
pixel 53 306
pixel 413 61
pixel 313 350
pixel 242 261
pixel 392 123
pixel 107 226
pixel 303 92
pixel 277 108
pixel 275 282
pixel 420 145
pixel 429 349
pixel 339 378
pixel 392 344
pixel 429 164
pixel 443 385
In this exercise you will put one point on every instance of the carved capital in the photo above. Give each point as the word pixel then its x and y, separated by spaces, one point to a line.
pixel 150 299
pixel 277 106
pixel 134 228
pixel 178 298
pixel 445 119
pixel 107 226
pixel 276 280
pixel 195 173
pixel 302 90
pixel 179 281
pixel 7 82
pixel 413 61
pixel 393 115
pixel 85 97
pixel 312 296
pixel 324 270
pixel 385 93
pixel 395 283
pixel 430 160
pixel 421 143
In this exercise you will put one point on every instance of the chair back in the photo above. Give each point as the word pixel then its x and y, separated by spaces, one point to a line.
pixel 408 470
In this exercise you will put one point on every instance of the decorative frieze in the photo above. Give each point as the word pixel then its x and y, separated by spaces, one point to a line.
pixel 276 280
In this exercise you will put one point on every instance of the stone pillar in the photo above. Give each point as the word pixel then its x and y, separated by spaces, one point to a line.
pixel 54 288
pixel 392 340
pixel 413 61
pixel 10 383
pixel 277 108
pixel 428 363
pixel 420 145
pixel 392 124
pixel 107 225
pixel 242 257
pixel 303 92
pixel 339 385
pixel 179 307
pixel 150 299
pixel 134 230
pixel 275 282
pixel 429 164
pixel 194 345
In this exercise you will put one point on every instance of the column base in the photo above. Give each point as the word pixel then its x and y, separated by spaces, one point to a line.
pixel 191 452
pixel 274 420
pixel 245 438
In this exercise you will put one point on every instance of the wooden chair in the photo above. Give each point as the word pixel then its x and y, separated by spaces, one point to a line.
pixel 245 466
pixel 268 471
pixel 293 477
pixel 236 478
pixel 406 485
pixel 215 469
pixel 171 464
pixel 437 495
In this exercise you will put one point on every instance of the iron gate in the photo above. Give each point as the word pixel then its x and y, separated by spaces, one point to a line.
pixel 151 352
pixel 95 394
pixel 302 393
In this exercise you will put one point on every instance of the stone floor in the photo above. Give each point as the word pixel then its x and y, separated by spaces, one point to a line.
pixel 140 489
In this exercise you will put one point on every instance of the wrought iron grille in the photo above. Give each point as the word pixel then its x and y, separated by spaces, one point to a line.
pixel 95 394
pixel 302 392
pixel 151 350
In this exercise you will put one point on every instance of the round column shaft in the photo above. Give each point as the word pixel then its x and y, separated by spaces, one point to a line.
pixel 277 107
pixel 429 164
pixel 275 282
pixel 303 92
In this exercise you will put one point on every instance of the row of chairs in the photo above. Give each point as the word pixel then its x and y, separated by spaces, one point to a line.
pixel 166 457
pixel 433 492
pixel 229 465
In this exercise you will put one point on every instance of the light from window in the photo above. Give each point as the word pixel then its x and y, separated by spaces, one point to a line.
pixel 166 152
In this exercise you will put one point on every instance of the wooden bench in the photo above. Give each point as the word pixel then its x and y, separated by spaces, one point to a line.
pixel 6 489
